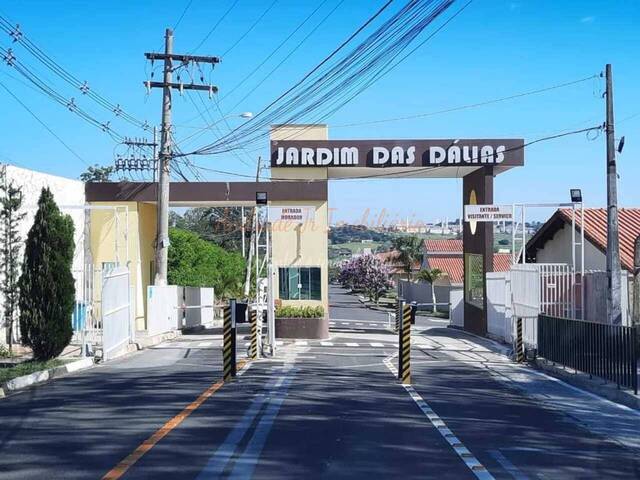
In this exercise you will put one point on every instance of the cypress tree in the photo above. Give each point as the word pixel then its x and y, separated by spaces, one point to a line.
pixel 47 289
pixel 10 219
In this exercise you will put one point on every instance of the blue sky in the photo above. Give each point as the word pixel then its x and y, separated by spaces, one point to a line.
pixel 494 48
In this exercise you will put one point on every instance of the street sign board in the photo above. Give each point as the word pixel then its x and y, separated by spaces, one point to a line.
pixel 488 213
pixel 292 214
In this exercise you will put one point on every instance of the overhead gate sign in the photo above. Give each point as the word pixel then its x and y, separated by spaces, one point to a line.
pixel 488 213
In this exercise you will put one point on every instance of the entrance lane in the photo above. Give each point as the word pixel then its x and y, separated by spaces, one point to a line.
pixel 513 435
pixel 346 417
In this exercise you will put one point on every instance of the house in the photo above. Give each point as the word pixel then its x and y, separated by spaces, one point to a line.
pixel 552 242
pixel 446 255
pixel 396 268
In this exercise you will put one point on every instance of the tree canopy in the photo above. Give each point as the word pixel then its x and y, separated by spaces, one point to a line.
pixel 195 262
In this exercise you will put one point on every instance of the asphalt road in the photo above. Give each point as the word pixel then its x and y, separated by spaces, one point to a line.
pixel 329 409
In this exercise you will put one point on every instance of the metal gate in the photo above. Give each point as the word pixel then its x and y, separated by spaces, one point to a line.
pixel 116 318
pixel 557 290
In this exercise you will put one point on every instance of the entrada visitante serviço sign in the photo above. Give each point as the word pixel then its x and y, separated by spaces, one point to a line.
pixel 396 153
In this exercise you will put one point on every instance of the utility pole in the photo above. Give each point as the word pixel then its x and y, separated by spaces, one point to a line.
pixel 164 160
pixel 252 240
pixel 614 308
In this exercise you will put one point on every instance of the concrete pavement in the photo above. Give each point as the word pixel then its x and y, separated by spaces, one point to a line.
pixel 329 409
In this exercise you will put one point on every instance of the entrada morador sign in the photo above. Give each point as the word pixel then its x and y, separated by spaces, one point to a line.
pixel 396 153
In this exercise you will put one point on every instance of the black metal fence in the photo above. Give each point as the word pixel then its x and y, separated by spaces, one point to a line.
pixel 606 351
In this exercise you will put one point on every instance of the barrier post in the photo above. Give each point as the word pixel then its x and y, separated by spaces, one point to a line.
pixel 253 349
pixel 519 341
pixel 226 344
pixel 398 314
pixel 404 343
pixel 232 307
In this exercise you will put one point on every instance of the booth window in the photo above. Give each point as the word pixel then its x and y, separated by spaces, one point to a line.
pixel 474 281
pixel 300 283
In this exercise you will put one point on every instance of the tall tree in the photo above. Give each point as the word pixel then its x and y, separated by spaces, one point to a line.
pixel 431 276
pixel 47 289
pixel 10 219
pixel 409 253
pixel 97 174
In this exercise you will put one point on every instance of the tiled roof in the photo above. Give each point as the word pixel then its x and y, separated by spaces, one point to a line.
pixel 453 265
pixel 595 230
pixel 391 259
pixel 449 245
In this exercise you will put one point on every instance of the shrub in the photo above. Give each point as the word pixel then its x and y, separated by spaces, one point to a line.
pixel 290 311
pixel 47 287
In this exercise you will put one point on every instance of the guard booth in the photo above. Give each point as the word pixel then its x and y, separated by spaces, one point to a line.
pixel 303 161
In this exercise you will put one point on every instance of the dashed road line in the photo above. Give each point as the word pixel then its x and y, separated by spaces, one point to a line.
pixel 463 452
pixel 352 344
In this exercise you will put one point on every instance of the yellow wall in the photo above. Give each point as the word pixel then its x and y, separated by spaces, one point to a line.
pixel 138 235
pixel 305 245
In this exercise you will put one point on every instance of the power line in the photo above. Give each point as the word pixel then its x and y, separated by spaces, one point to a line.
pixel 45 89
pixel 415 171
pixel 248 31
pixel 206 37
pixel 75 154
pixel 468 106
pixel 83 86
pixel 345 75
pixel 175 26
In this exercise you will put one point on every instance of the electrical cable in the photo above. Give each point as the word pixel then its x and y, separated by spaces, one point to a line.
pixel 206 37
pixel 248 31
pixel 71 150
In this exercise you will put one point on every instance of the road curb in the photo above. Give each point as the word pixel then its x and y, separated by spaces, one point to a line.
pixel 35 378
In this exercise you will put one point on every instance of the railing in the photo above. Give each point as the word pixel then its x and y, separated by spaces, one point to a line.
pixel 606 351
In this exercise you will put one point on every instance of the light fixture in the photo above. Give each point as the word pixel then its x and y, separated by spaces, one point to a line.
pixel 576 195
pixel 261 198
pixel 246 115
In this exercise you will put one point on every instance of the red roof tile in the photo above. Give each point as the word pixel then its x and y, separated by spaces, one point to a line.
pixel 448 245
pixel 391 259
pixel 595 230
pixel 453 266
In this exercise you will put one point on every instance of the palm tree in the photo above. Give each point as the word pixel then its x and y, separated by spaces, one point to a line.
pixel 431 276
pixel 409 252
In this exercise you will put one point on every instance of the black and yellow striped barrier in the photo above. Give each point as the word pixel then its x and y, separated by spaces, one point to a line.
pixel 398 314
pixel 404 343
pixel 253 346
pixel 229 342
pixel 519 341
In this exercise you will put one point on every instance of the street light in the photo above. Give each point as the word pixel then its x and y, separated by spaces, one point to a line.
pixel 246 115
pixel 576 195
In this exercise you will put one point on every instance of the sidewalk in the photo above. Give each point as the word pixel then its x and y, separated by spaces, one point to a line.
pixel 599 415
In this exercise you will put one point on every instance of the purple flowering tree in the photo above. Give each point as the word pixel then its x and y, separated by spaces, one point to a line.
pixel 367 273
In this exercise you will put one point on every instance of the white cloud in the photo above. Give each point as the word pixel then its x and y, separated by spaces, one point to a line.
pixel 589 19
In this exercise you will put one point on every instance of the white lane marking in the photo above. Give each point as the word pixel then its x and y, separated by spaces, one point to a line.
pixel 301 343
pixel 326 344
pixel 376 344
pixel 358 323
pixel 245 465
pixel 352 344
pixel 374 324
pixel 246 344
pixel 463 452
pixel 344 323
pixel 514 471
pixel 205 344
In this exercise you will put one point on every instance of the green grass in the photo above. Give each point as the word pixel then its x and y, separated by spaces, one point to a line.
pixel 26 368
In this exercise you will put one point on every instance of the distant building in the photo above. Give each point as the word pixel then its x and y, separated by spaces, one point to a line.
pixel 446 255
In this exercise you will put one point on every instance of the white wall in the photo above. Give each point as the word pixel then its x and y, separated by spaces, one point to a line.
pixel 66 192
pixel 558 250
